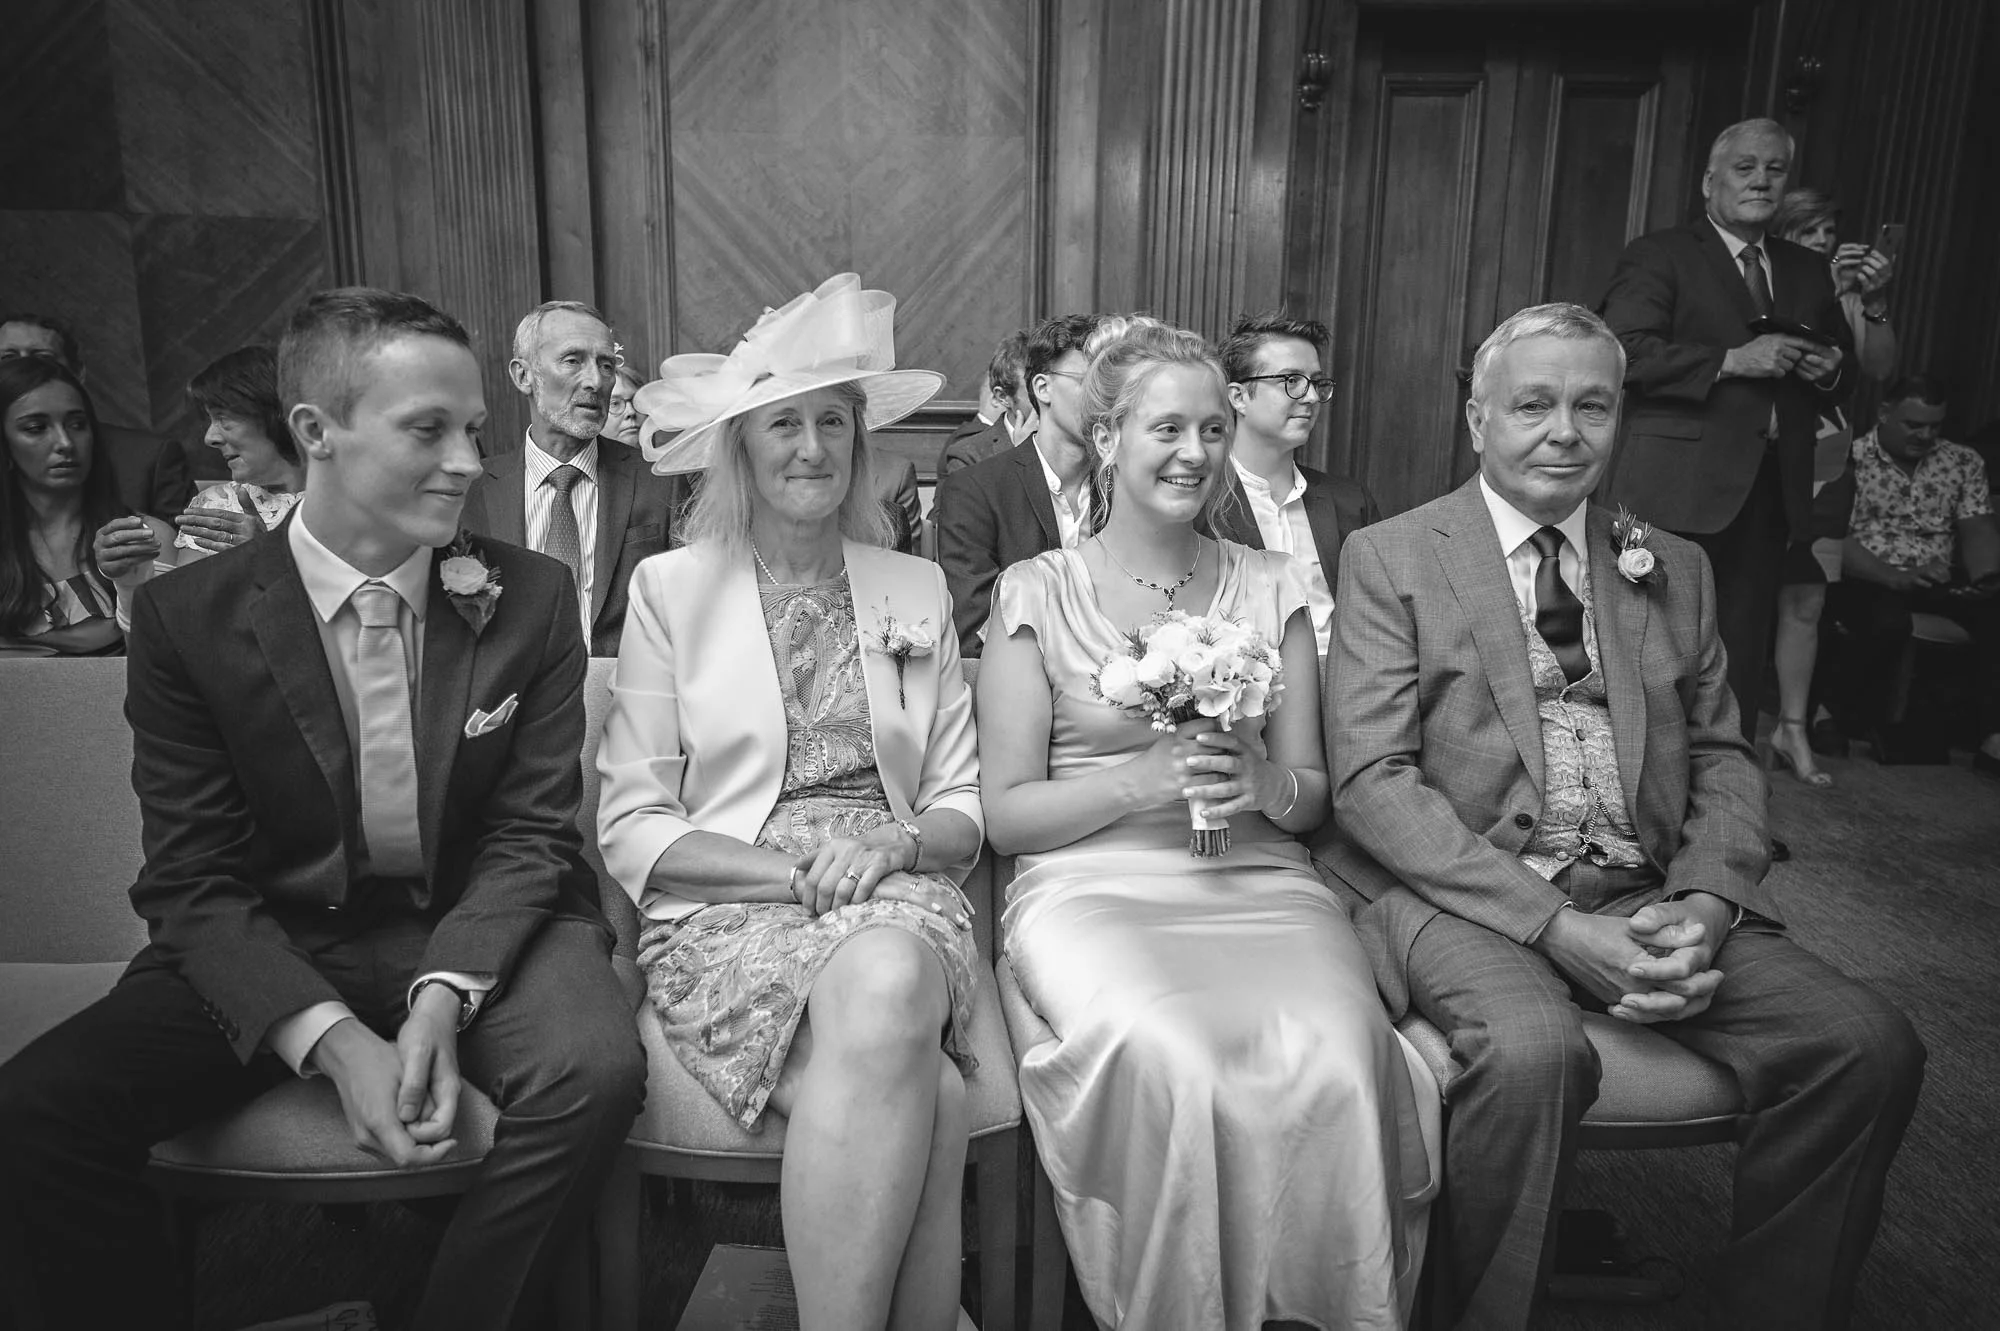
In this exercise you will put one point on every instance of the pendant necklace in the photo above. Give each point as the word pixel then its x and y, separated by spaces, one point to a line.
pixel 1168 590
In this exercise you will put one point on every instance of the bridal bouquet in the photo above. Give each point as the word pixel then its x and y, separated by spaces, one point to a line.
pixel 1182 668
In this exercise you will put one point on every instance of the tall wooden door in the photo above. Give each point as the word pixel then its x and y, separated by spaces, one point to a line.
pixel 1493 161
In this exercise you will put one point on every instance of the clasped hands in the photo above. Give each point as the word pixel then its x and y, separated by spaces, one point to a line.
pixel 846 871
pixel 1215 766
pixel 401 1100
pixel 1775 355
pixel 1654 966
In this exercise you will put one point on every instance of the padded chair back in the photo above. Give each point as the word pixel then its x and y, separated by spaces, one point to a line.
pixel 69 822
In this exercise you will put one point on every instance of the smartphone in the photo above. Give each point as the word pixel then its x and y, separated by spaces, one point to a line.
pixel 1889 239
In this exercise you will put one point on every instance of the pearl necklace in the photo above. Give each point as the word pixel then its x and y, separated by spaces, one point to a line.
pixel 765 569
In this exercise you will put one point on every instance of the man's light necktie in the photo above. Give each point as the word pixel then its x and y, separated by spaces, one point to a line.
pixel 388 752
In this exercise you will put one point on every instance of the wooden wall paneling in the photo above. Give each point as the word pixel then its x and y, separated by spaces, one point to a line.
pixel 1679 153
pixel 388 130
pixel 1600 156
pixel 480 115
pixel 562 139
pixel 78 266
pixel 334 132
pixel 631 180
pixel 1128 130
pixel 1265 182
pixel 60 151
pixel 1038 188
pixel 1075 98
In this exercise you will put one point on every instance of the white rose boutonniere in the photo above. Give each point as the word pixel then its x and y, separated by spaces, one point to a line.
pixel 899 642
pixel 472 584
pixel 1636 564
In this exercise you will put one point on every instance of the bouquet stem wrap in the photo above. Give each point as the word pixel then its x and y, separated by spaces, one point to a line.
pixel 1211 834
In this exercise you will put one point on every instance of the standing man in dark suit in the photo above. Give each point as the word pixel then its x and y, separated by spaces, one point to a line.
pixel 152 473
pixel 1540 785
pixel 1006 417
pixel 357 764
pixel 1276 386
pixel 1720 422
pixel 586 500
pixel 1033 497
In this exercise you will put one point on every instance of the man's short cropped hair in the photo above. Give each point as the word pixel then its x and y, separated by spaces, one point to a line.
pixel 72 353
pixel 1252 331
pixel 528 332
pixel 1560 319
pixel 1007 370
pixel 319 358
pixel 1922 387
pixel 1051 339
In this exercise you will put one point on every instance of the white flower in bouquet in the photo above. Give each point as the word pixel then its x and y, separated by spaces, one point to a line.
pixel 1119 682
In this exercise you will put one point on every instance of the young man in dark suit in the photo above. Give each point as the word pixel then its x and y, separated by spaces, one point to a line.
pixel 1006 417
pixel 1033 497
pixel 1540 785
pixel 1276 386
pixel 568 491
pixel 356 762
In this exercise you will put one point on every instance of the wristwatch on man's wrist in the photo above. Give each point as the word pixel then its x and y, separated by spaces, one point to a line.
pixel 467 1009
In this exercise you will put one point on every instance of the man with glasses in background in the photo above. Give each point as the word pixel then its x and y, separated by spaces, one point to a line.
pixel 1276 386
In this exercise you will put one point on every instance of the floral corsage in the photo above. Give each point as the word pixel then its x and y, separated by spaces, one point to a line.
pixel 472 584
pixel 1636 564
pixel 899 642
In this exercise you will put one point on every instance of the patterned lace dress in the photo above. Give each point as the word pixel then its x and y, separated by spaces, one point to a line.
pixel 731 981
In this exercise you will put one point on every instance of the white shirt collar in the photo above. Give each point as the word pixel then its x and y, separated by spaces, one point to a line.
pixel 541 462
pixel 1515 527
pixel 1253 482
pixel 1049 473
pixel 1737 245
pixel 331 580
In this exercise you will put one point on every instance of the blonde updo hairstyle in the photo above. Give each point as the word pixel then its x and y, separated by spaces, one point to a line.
pixel 1126 351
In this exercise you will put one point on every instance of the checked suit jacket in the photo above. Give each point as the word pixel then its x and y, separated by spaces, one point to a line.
pixel 247 788
pixel 1434 740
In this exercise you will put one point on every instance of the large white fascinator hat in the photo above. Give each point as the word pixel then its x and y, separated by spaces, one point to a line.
pixel 835 334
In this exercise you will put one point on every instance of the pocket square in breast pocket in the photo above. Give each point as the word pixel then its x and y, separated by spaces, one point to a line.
pixel 480 723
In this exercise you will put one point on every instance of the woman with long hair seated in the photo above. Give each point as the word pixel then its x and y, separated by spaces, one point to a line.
pixel 791 795
pixel 56 495
pixel 1235 1133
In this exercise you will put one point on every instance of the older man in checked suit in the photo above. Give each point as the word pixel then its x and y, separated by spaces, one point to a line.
pixel 1540 785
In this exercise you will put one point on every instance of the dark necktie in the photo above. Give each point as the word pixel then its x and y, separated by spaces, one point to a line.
pixel 561 541
pixel 1558 614
pixel 1752 259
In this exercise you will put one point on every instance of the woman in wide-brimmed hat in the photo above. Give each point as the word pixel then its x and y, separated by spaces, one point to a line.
pixel 791 793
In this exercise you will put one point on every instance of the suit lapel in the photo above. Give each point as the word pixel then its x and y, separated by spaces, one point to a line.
pixel 1037 487
pixel 877 584
pixel 1469 548
pixel 1622 611
pixel 287 630
pixel 506 501
pixel 1323 516
pixel 1726 270
pixel 614 510
pixel 1238 523
pixel 442 706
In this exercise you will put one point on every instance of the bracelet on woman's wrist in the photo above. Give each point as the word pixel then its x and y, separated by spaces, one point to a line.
pixel 1291 803
pixel 916 842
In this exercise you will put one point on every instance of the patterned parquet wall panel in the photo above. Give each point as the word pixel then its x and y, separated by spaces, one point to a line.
pixel 158 187
pixel 889 137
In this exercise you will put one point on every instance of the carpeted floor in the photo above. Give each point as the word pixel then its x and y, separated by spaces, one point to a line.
pixel 1896 879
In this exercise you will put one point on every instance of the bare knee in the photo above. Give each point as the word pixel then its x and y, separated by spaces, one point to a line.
pixel 1803 602
pixel 882 995
pixel 954 1105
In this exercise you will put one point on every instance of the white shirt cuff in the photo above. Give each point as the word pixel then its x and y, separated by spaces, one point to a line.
pixel 293 1038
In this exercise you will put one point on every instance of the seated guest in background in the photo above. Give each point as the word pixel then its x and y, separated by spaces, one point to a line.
pixel 1234 1130
pixel 246 425
pixel 1033 497
pixel 621 423
pixel 1276 386
pixel 404 915
pixel 896 487
pixel 56 496
pixel 1540 783
pixel 568 492
pixel 1006 417
pixel 151 473
pixel 1922 538
pixel 792 802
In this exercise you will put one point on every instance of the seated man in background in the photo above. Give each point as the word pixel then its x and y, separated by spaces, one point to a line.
pixel 356 867
pixel 1540 784
pixel 1006 417
pixel 152 473
pixel 1922 538
pixel 1276 386
pixel 568 490
pixel 1035 496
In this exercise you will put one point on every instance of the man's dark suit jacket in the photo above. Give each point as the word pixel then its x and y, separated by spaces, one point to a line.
pixel 1434 744
pixel 968 445
pixel 989 515
pixel 1692 444
pixel 246 780
pixel 152 473
pixel 1335 507
pixel 636 512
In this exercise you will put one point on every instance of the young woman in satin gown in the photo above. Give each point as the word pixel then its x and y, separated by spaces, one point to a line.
pixel 1235 1132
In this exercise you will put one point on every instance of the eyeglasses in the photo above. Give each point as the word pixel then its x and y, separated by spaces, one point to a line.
pixel 1065 374
pixel 1296 384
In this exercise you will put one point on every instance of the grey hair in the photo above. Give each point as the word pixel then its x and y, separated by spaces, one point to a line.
pixel 721 511
pixel 1745 128
pixel 1570 323
pixel 1126 351
pixel 528 332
